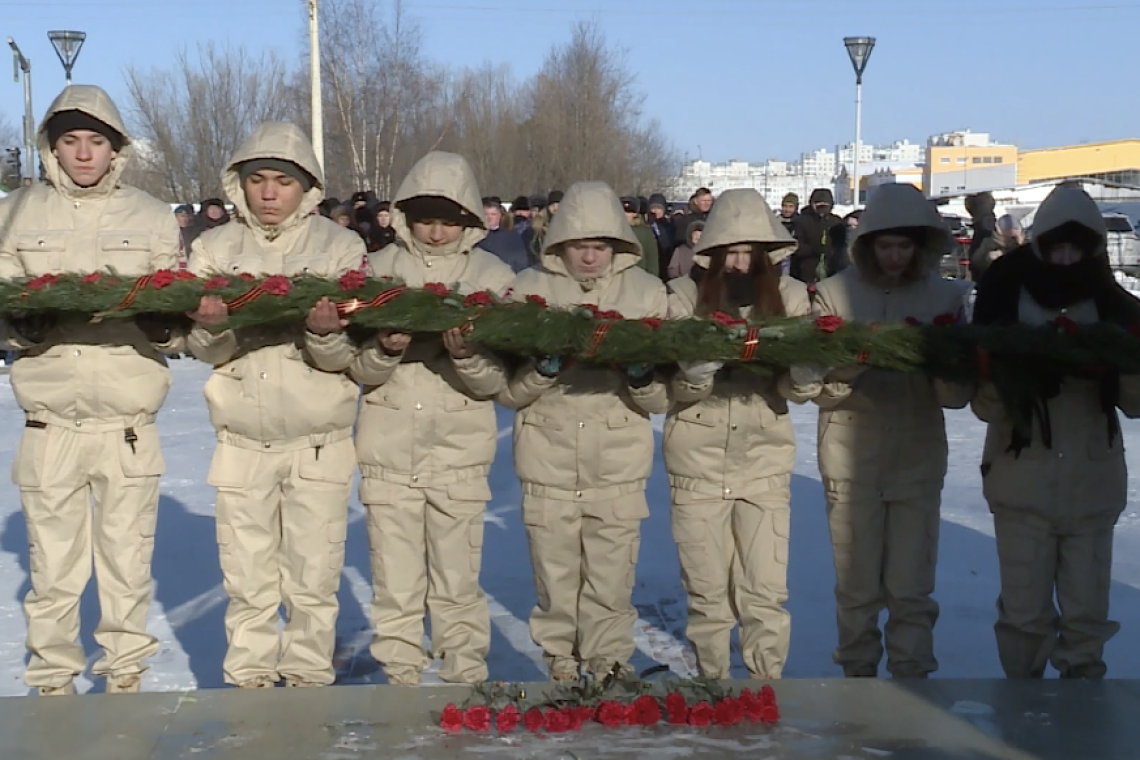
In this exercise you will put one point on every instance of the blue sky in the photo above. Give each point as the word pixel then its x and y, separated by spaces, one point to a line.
pixel 747 79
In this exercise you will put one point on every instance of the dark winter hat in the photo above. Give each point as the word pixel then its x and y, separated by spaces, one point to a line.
pixel 185 208
pixel 821 195
pixel 657 200
pixel 555 196
pixel 383 206
pixel 791 198
pixel 631 205
pixel 69 121
pixel 492 200
pixel 359 197
pixel 425 208
pixel 522 203
pixel 288 168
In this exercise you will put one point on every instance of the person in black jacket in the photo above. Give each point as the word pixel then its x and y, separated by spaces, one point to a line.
pixel 663 230
pixel 812 233
pixel 504 243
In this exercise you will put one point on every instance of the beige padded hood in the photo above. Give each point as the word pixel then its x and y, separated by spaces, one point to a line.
pixel 441 175
pixel 591 211
pixel 94 102
pixel 743 216
pixel 895 207
pixel 1065 205
pixel 286 142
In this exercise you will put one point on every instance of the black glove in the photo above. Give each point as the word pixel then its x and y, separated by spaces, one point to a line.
pixel 34 327
pixel 158 328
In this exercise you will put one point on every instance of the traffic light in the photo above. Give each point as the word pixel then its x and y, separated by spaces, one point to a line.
pixel 11 174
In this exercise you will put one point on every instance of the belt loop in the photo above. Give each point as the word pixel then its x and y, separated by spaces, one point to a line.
pixel 36 424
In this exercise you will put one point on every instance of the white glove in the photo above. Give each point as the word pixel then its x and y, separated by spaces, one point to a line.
pixel 699 373
pixel 804 375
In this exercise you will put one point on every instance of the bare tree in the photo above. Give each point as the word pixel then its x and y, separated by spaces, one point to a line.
pixel 190 119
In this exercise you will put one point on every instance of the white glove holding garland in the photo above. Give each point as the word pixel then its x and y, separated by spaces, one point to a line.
pixel 699 373
pixel 804 375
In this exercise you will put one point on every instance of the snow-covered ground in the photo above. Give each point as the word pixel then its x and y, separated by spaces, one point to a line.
pixel 189 600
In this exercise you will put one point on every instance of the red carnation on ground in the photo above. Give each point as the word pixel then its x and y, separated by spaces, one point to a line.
pixel 536 299
pixel 185 275
pixel 277 285
pixel 829 323
pixel 1065 323
pixel 352 280
pixel 770 713
pixel 248 277
pixel 610 713
pixel 646 711
pixel 533 719
pixel 556 721
pixel 477 718
pixel 912 322
pixel 701 715
pixel 726 319
pixel 507 719
pixel 91 278
pixel 482 298
pixel 653 323
pixel 579 716
pixel 451 719
pixel 437 288
pixel 162 278
pixel 946 320
pixel 728 712
pixel 43 281
pixel 677 709
pixel 216 283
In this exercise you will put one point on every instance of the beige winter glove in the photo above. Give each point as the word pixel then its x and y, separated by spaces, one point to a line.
pixel 804 375
pixel 699 373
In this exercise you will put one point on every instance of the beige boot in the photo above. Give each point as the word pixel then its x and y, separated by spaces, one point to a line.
pixel 261 682
pixel 402 676
pixel 67 690
pixel 129 684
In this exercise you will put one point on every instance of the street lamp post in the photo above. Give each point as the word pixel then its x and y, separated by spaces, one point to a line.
pixel 859 49
pixel 20 63
pixel 315 82
pixel 67 45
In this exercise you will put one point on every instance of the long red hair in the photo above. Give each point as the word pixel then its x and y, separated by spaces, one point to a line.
pixel 712 294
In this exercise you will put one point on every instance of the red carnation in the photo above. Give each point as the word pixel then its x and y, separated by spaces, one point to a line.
pixel 162 278
pixel 1066 324
pixel 610 714
pixel 482 298
pixel 768 695
pixel 533 719
pixel 556 721
pixel 677 709
pixel 726 319
pixel 579 716
pixel 701 715
pixel 912 322
pixel 646 711
pixel 536 299
pixel 91 278
pixel 437 288
pixel 216 283
pixel 352 280
pixel 946 320
pixel 507 719
pixel 248 277
pixel 477 718
pixel 829 323
pixel 770 713
pixel 277 285
pixel 451 719
pixel 863 357
pixel 653 323
pixel 609 315
pixel 185 275
pixel 728 712
pixel 43 281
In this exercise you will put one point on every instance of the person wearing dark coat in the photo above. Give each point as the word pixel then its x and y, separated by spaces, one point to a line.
pixel 504 243
pixel 211 213
pixel 812 234
pixel 838 256
pixel 790 212
pixel 663 230
pixel 520 210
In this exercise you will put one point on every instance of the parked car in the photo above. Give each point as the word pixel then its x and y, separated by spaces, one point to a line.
pixel 1123 244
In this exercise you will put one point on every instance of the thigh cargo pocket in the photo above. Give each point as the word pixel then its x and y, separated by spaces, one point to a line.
pixel 140 453
pixel 331 463
pixel 31 461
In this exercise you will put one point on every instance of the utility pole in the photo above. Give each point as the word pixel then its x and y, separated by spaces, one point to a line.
pixel 315 82
pixel 20 63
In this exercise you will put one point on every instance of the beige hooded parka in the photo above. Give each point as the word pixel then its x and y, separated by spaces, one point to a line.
pixel 884 435
pixel 732 438
pixel 568 428
pixel 105 372
pixel 269 391
pixel 428 419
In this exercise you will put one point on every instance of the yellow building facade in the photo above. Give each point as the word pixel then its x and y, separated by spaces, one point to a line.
pixel 1117 162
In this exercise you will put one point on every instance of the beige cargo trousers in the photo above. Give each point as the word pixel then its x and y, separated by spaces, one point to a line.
pixel 282 521
pixel 60 469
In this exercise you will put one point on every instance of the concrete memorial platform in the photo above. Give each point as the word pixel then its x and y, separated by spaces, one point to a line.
pixel 836 719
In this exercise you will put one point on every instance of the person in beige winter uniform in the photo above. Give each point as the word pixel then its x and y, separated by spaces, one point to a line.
pixel 90 393
pixel 882 441
pixel 1057 490
pixel 284 462
pixel 729 448
pixel 583 442
pixel 427 436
